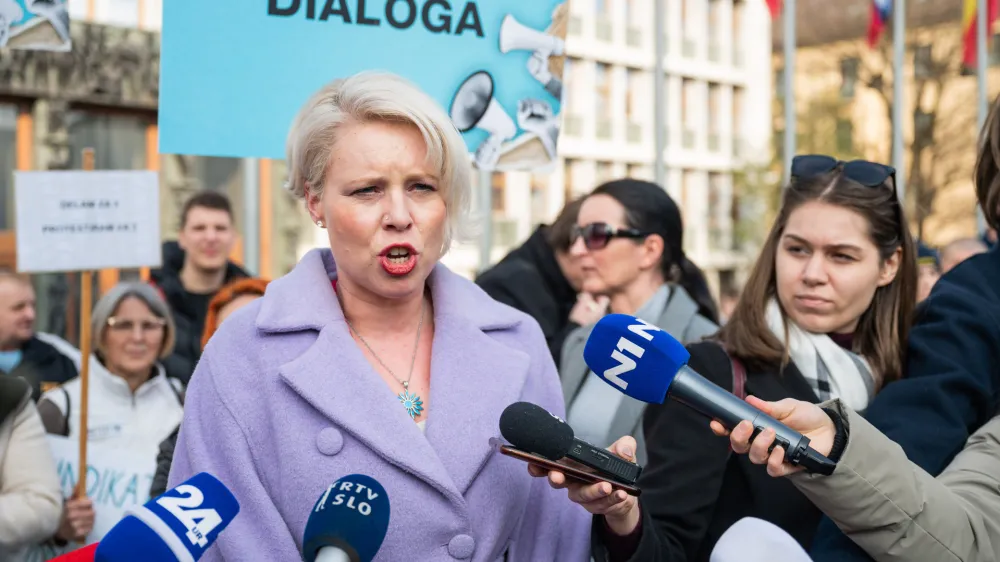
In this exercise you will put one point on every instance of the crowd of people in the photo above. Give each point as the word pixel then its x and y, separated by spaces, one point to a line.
pixel 372 356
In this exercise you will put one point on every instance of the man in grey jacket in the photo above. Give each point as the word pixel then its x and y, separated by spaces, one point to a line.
pixel 888 506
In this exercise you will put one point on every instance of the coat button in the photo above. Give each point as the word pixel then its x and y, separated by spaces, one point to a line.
pixel 461 546
pixel 329 441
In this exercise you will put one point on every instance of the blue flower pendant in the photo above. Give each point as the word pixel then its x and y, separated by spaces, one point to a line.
pixel 413 404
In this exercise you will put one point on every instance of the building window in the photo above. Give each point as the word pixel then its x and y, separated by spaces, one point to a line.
pixel 848 76
pixel 739 102
pixel 122 13
pixel 498 183
pixel 604 171
pixel 568 192
pixel 779 82
pixel 923 124
pixel 922 61
pixel 845 136
pixel 118 140
pixel 8 163
pixel 603 84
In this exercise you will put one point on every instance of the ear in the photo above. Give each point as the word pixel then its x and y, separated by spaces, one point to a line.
pixel 652 251
pixel 890 268
pixel 314 204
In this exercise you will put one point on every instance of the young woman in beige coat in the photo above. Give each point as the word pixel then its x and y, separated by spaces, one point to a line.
pixel 30 499
pixel 888 506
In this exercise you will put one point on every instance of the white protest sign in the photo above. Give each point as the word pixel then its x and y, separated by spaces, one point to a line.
pixel 87 220
pixel 117 478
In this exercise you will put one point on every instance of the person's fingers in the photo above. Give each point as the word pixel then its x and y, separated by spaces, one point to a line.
pixel 613 502
pixel 740 437
pixel 590 493
pixel 718 428
pixel 760 449
pixel 762 405
pixel 557 479
pixel 776 463
pixel 624 448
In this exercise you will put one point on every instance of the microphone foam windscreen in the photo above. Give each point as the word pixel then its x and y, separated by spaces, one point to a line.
pixel 179 525
pixel 637 358
pixel 755 540
pixel 352 515
pixel 531 428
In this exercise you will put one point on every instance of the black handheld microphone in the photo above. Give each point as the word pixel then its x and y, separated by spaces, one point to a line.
pixel 646 363
pixel 533 429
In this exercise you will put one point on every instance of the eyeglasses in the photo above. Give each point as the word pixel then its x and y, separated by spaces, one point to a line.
pixel 127 325
pixel 869 174
pixel 596 235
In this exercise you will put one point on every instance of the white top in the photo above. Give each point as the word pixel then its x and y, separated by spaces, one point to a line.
pixel 422 424
pixel 136 421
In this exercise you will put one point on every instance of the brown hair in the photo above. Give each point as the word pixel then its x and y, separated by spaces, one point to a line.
pixel 206 200
pixel 883 327
pixel 987 174
pixel 560 233
pixel 226 295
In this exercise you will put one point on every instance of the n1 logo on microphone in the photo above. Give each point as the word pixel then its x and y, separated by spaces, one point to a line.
pixel 186 507
pixel 360 496
pixel 627 364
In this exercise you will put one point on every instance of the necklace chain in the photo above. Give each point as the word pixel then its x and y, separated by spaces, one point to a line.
pixel 413 358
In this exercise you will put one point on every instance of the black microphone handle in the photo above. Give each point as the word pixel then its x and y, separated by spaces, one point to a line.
pixel 709 399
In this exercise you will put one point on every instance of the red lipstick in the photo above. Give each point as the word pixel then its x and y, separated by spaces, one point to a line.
pixel 398 259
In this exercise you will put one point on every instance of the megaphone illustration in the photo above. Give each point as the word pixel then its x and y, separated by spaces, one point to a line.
pixel 474 107
pixel 515 36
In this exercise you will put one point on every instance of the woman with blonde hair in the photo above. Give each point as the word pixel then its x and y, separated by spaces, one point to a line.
pixel 372 356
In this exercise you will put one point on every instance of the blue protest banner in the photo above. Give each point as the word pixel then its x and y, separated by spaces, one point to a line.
pixel 235 72
pixel 34 24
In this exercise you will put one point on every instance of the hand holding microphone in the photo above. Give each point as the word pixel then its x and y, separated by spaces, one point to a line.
pixel 808 419
pixel 619 509
pixel 648 364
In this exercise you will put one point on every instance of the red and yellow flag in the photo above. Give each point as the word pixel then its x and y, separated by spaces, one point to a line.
pixel 970 25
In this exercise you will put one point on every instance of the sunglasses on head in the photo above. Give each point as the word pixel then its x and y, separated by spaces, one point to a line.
pixel 869 174
pixel 596 235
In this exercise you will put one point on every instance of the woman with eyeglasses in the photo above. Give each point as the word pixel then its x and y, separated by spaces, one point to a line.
pixel 824 314
pixel 629 243
pixel 132 403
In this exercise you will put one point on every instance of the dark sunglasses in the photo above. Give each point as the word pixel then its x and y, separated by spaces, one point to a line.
pixel 596 235
pixel 869 174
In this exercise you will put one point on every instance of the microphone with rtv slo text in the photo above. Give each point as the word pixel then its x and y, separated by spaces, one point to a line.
pixel 177 526
pixel 532 428
pixel 348 522
pixel 648 364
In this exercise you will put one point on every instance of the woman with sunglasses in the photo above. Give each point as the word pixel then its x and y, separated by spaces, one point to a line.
pixel 824 314
pixel 629 244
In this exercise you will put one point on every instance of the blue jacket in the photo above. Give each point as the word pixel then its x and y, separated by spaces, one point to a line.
pixel 952 382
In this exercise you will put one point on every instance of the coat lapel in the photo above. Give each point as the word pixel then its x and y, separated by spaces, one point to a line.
pixel 473 377
pixel 574 369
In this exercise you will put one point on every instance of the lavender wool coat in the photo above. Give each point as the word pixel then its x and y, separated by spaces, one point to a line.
pixel 283 403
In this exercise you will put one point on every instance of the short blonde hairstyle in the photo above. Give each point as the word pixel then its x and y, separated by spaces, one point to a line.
pixel 381 96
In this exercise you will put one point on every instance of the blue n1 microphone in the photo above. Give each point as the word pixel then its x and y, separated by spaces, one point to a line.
pixel 348 522
pixel 177 526
pixel 644 362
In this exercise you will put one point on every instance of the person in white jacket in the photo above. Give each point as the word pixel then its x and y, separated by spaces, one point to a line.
pixel 132 403
pixel 30 500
